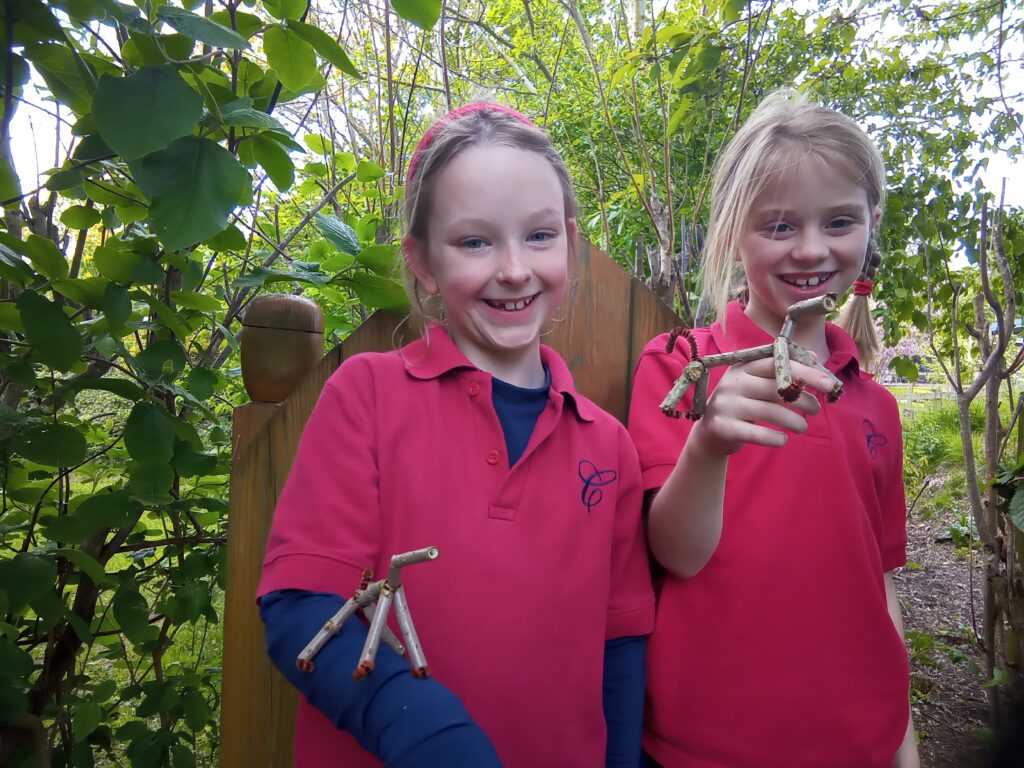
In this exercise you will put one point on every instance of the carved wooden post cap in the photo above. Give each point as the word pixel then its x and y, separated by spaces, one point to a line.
pixel 282 341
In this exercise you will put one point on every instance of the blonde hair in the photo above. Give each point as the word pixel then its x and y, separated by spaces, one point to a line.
pixel 784 129
pixel 484 126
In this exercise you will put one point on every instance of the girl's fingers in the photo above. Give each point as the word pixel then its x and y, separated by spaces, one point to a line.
pixel 772 414
pixel 765 369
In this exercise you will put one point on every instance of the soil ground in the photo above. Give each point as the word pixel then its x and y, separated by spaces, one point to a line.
pixel 947 664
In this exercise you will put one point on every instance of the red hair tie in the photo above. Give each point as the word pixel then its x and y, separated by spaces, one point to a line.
pixel 862 287
pixel 466 109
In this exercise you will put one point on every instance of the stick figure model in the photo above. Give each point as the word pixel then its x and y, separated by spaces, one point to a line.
pixel 783 350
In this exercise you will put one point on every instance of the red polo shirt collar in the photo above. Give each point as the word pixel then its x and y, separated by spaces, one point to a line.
pixel 436 354
pixel 741 332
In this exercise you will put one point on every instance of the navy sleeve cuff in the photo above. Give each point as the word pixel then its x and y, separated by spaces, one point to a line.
pixel 624 680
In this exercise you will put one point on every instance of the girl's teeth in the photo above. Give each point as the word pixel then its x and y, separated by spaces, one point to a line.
pixel 807 283
pixel 512 306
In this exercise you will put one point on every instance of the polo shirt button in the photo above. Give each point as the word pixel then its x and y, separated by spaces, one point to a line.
pixel 492 457
pixel 474 390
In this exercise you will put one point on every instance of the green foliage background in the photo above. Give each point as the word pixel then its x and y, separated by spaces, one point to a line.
pixel 209 151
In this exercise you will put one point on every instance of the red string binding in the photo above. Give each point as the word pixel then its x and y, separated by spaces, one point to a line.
pixel 862 287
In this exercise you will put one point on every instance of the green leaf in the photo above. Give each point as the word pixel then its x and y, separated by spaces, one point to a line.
pixel 13 702
pixel 275 161
pixel 87 718
pixel 132 614
pixel 69 80
pixel 87 565
pixel 80 217
pixel 87 291
pixel 101 511
pixel 201 382
pixel 26 578
pixel 325 45
pixel 198 301
pixel 1017 507
pixel 12 267
pixel 285 9
pixel 42 252
pixel 14 662
pixel 194 185
pixel 423 13
pixel 340 234
pixel 49 331
pixel 10 186
pixel 379 258
pixel 904 367
pixel 117 306
pixel 375 291
pixel 116 262
pixel 230 239
pixel 148 435
pixel 246 24
pixel 291 57
pixel 66 179
pixel 182 756
pixel 190 463
pixel 197 711
pixel 145 111
pixel 202 29
pixel 252 118
pixel 367 171
pixel 163 359
pixel 120 387
pixel 52 445
pixel 263 275
pixel 10 318
pixel 150 483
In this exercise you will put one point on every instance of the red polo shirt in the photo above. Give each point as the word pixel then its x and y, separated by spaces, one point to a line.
pixel 781 651
pixel 539 563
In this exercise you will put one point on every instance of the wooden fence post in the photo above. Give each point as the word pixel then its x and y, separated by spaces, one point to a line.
pixel 282 342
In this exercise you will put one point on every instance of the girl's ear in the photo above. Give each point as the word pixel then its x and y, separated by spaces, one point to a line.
pixel 875 216
pixel 415 252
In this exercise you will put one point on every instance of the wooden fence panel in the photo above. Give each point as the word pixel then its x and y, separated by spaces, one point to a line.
pixel 608 317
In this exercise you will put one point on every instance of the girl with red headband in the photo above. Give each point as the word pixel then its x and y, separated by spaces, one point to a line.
pixel 472 439
pixel 778 637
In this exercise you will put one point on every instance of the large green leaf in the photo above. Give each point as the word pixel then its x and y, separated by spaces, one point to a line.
pixel 423 13
pixel 86 720
pixel 291 57
pixel 80 217
pixel 379 258
pixel 325 45
pixel 252 118
pixel 340 234
pixel 375 291
pixel 49 331
pixel 68 78
pixel 150 482
pixel 117 306
pixel 116 262
pixel 202 29
pixel 102 511
pixel 367 171
pixel 148 435
pixel 88 565
pixel 132 612
pixel 52 445
pixel 27 577
pixel 198 301
pixel 246 24
pixel 201 382
pixel 285 9
pixel 87 291
pixel 145 111
pixel 302 272
pixel 163 359
pixel 193 186
pixel 10 186
pixel 275 161
pixel 120 387
pixel 42 252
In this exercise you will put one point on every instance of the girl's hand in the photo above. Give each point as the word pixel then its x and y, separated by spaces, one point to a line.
pixel 747 394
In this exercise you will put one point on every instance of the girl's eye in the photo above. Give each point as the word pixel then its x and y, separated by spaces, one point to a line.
pixel 841 222
pixel 473 243
pixel 540 237
pixel 778 228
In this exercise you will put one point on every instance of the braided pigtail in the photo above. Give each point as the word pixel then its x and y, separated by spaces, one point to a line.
pixel 855 317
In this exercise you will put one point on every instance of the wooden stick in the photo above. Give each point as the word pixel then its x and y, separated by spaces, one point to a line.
pixel 380 616
pixel 788 389
pixel 420 668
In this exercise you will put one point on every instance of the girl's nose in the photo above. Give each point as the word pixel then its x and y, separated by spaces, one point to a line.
pixel 512 268
pixel 810 246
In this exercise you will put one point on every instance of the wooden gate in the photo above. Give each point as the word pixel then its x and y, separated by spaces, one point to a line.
pixel 608 317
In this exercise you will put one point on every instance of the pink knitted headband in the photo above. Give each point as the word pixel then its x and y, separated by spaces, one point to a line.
pixel 466 109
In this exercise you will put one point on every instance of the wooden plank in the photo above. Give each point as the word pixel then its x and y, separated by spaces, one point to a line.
pixel 649 316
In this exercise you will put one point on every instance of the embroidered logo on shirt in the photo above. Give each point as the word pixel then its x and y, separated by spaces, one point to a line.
pixel 593 480
pixel 875 439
